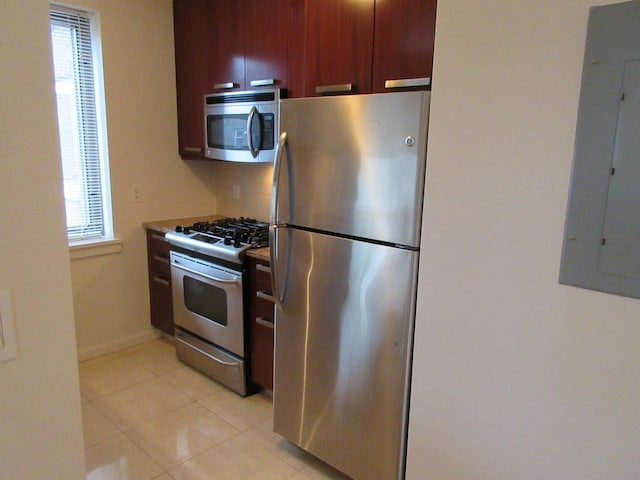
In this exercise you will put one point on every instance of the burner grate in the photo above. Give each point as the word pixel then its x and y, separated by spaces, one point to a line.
pixel 247 231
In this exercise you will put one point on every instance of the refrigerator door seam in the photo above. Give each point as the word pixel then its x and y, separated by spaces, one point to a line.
pixel 350 237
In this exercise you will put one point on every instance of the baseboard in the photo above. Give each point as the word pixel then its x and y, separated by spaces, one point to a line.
pixel 115 345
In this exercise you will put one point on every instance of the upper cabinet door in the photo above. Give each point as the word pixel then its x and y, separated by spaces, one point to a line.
pixel 192 74
pixel 339 46
pixel 226 45
pixel 274 51
pixel 403 44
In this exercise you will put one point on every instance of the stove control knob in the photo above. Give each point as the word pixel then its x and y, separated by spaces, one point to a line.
pixel 237 243
pixel 186 230
pixel 228 240
pixel 178 229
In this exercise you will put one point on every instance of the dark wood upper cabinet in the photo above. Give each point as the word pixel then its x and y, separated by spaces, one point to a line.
pixel 403 41
pixel 273 55
pixel 256 44
pixel 339 46
pixel 192 74
pixel 308 47
pixel 226 45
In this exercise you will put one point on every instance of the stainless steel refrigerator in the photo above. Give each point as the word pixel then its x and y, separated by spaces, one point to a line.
pixel 345 235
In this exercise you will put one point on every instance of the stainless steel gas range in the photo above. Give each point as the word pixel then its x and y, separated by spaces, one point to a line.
pixel 207 278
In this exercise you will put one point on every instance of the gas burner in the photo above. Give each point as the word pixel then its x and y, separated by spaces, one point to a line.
pixel 226 238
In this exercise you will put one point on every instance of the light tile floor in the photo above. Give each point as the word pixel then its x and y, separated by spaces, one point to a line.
pixel 148 416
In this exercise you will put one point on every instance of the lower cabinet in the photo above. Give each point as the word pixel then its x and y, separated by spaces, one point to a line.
pixel 261 323
pixel 161 303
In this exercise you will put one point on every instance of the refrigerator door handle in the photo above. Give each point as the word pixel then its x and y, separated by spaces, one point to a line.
pixel 277 167
pixel 275 281
pixel 250 117
pixel 273 237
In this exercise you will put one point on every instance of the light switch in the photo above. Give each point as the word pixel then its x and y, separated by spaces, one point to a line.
pixel 136 193
pixel 8 350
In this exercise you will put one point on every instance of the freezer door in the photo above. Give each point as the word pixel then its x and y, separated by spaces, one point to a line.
pixel 343 343
pixel 355 165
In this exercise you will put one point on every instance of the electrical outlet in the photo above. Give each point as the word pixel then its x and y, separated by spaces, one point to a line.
pixel 236 191
pixel 136 193
pixel 8 349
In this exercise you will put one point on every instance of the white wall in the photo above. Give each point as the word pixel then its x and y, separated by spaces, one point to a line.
pixel 111 298
pixel 40 428
pixel 254 182
pixel 515 376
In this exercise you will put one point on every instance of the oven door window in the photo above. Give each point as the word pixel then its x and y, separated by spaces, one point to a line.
pixel 205 300
pixel 229 131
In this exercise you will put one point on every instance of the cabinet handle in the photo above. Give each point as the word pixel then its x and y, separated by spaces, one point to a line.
pixel 264 323
pixel 266 296
pixel 162 281
pixel 225 86
pixel 340 88
pixel 408 82
pixel 161 259
pixel 263 82
pixel 263 268
pixel 155 236
pixel 192 149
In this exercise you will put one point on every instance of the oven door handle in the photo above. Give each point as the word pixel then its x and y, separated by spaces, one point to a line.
pixel 252 149
pixel 195 272
pixel 208 355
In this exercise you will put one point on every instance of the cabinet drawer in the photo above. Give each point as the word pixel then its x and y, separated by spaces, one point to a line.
pixel 159 262
pixel 159 277
pixel 262 309
pixel 261 323
pixel 158 252
pixel 161 302
pixel 157 243
pixel 261 273
pixel 262 353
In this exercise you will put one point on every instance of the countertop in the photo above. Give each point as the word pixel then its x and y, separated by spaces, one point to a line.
pixel 260 253
pixel 165 226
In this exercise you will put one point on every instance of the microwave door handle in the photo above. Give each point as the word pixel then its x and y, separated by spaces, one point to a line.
pixel 252 149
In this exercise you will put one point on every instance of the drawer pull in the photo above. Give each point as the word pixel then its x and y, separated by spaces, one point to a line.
pixel 408 82
pixel 192 149
pixel 262 83
pixel 155 236
pixel 264 323
pixel 266 296
pixel 162 281
pixel 225 86
pixel 158 258
pixel 340 88
pixel 263 268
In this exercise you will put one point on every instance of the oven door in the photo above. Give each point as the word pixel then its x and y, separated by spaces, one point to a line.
pixel 207 301
pixel 241 133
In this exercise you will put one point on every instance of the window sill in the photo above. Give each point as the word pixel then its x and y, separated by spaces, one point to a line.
pixel 94 248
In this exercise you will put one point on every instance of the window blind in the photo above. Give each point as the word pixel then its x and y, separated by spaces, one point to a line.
pixel 80 144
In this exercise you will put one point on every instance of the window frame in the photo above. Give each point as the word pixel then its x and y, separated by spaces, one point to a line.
pixel 95 178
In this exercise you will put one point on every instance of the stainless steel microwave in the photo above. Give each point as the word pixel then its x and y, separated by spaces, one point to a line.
pixel 242 126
